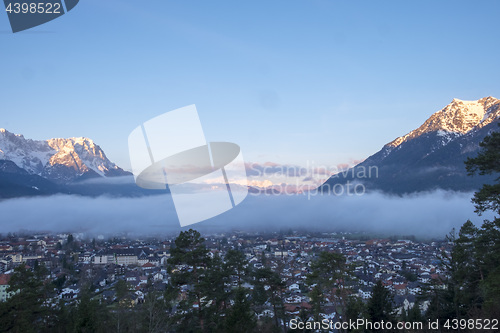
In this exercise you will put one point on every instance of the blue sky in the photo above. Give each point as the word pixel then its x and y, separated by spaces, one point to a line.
pixel 289 81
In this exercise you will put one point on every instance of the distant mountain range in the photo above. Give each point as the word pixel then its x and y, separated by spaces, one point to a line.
pixel 431 156
pixel 30 167
pixel 58 160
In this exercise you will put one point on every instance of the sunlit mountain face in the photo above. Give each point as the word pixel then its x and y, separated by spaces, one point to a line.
pixel 68 166
pixel 431 156
pixel 58 160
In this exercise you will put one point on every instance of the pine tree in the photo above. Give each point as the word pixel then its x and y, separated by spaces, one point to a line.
pixel 121 289
pixel 267 277
pixel 259 295
pixel 187 265
pixel 472 287
pixel 467 272
pixel 488 245
pixel 240 317
pixel 26 305
pixel 415 314
pixel 317 301
pixel 379 306
pixel 237 264
pixel 355 309
pixel 152 313
pixel 330 273
pixel 487 162
pixel 90 315
pixel 487 241
pixel 213 286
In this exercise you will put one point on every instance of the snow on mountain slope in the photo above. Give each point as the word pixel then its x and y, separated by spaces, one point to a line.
pixel 28 154
pixel 432 156
pixel 61 160
pixel 457 118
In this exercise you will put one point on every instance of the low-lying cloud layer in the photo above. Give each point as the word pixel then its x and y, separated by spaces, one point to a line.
pixel 429 215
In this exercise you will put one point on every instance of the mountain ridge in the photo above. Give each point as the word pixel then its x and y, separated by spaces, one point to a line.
pixel 59 160
pixel 431 156
pixel 60 166
pixel 458 117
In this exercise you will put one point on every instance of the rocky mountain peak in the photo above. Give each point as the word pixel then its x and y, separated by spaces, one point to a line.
pixel 58 159
pixel 457 118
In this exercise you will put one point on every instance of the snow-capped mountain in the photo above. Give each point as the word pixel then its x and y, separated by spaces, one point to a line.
pixel 431 156
pixel 58 160
pixel 457 118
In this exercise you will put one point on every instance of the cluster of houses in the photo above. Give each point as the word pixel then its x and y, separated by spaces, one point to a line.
pixel 403 266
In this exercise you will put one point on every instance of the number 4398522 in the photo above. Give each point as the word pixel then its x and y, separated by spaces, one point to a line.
pixel 34 8
pixel 472 324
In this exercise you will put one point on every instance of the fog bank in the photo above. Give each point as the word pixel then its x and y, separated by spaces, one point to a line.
pixel 428 214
